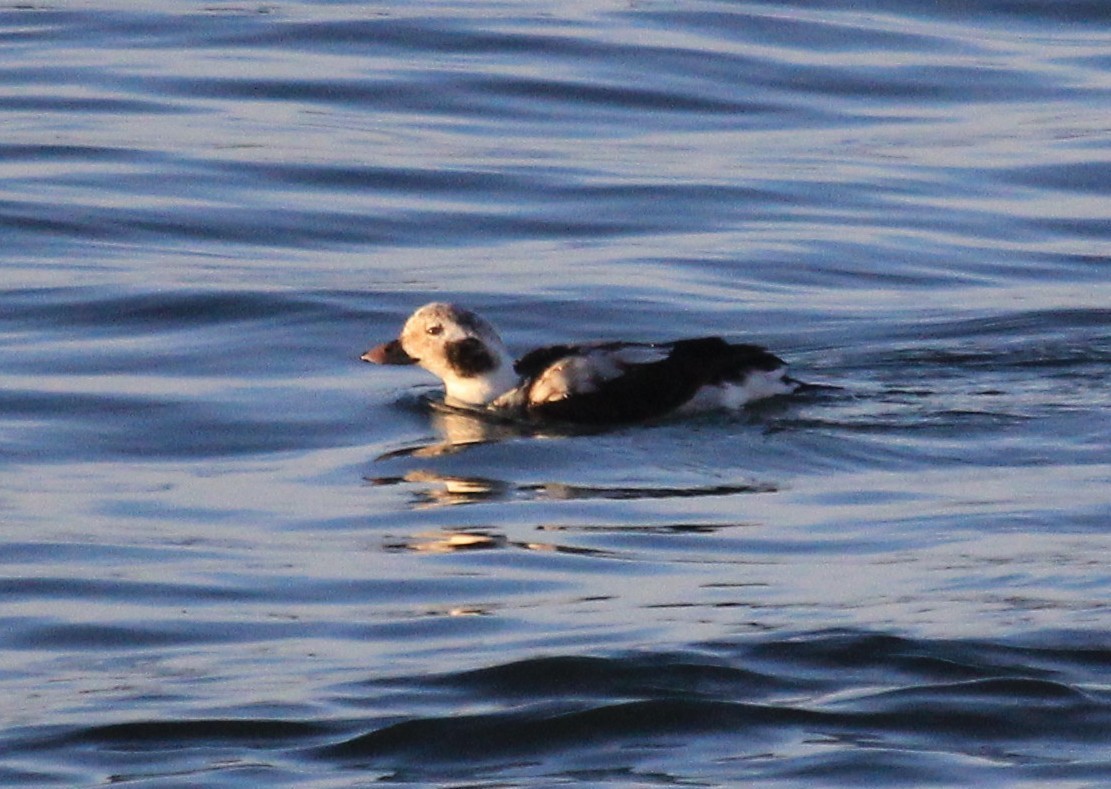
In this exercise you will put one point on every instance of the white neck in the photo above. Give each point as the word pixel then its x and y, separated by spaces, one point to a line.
pixel 480 390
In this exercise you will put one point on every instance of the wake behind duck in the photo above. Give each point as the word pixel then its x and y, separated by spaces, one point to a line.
pixel 592 383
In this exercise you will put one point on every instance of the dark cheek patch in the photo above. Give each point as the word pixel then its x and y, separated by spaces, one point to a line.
pixel 469 357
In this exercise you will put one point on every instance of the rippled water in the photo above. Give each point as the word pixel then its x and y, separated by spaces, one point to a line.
pixel 233 555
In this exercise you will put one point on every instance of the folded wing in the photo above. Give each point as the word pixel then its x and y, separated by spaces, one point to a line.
pixel 627 382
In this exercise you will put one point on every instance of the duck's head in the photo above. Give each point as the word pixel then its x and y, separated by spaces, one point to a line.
pixel 457 346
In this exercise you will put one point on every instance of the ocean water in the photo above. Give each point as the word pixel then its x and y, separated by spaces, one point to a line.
pixel 233 555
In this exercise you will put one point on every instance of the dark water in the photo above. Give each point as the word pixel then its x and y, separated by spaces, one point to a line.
pixel 232 555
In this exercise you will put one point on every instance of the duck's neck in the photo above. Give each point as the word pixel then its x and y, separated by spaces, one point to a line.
pixel 480 390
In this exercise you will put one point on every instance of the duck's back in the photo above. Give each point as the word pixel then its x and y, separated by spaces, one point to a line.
pixel 627 382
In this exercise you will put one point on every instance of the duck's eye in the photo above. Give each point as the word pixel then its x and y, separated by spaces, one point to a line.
pixel 436 329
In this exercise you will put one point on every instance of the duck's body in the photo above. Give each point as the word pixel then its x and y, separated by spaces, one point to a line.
pixel 598 383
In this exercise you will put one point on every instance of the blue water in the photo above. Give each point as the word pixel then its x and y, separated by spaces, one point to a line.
pixel 233 555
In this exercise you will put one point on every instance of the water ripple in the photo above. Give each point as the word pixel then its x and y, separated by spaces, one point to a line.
pixel 236 556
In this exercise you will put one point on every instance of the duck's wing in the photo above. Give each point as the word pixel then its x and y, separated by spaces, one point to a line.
pixel 626 382
pixel 537 360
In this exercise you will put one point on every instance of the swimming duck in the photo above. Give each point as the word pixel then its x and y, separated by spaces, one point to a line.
pixel 594 383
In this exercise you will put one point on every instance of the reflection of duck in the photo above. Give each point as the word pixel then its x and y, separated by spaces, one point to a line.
pixel 457 426
pixel 442 490
pixel 450 541
pixel 460 428
pixel 597 383
pixel 454 541
pixel 447 490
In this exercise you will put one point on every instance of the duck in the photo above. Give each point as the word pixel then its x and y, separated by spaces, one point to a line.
pixel 594 383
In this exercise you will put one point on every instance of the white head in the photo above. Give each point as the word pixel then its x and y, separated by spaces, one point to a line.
pixel 458 347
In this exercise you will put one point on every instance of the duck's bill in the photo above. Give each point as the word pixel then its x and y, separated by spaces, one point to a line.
pixel 388 353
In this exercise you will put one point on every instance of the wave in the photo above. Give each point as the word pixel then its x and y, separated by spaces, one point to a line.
pixel 842 706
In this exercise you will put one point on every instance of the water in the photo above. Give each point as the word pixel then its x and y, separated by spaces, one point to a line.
pixel 233 555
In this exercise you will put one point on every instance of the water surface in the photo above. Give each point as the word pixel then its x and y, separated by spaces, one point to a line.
pixel 234 555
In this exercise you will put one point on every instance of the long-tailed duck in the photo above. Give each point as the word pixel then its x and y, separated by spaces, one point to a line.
pixel 598 383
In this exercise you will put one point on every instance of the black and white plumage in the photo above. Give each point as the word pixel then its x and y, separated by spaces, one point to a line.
pixel 596 383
